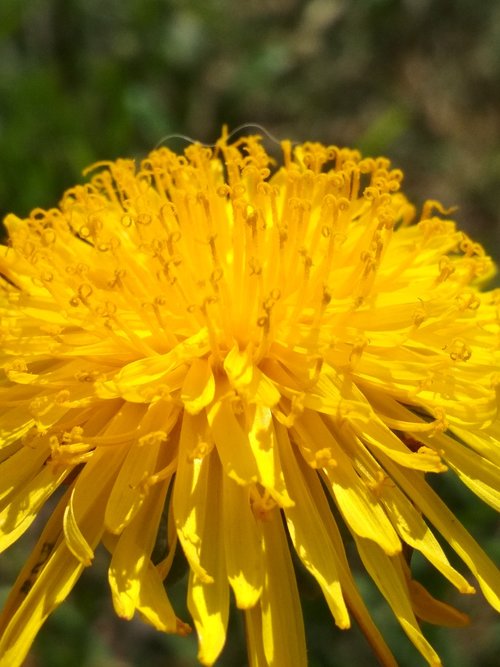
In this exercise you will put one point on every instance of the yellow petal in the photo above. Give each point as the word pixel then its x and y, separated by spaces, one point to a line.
pixel 453 532
pixel 232 443
pixel 479 474
pixel 24 506
pixel 371 430
pixel 44 582
pixel 51 588
pixel 415 532
pixel 75 540
pixel 248 380
pixel 19 468
pixel 127 494
pixel 134 581
pixel 263 443
pixel 387 573
pixel 255 647
pixel 310 539
pixel 408 522
pixel 190 493
pixel 155 607
pixel 84 515
pixel 477 470
pixel 243 545
pixel 282 623
pixel 483 442
pixel 360 508
pixel 208 603
pixel 198 389
pixel 14 425
pixel 354 601
pixel 138 380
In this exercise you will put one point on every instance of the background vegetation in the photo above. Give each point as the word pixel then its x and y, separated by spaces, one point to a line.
pixel 417 80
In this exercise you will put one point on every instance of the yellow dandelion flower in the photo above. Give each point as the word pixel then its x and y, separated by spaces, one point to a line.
pixel 258 352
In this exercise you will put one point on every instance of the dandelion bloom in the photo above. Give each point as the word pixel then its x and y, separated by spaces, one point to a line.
pixel 244 355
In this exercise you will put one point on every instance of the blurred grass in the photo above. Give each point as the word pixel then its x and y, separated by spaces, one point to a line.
pixel 417 80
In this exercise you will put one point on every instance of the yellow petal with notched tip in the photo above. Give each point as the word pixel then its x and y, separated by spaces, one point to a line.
pixel 309 536
pixel 243 545
pixel 415 532
pixel 190 491
pixel 208 602
pixel 453 532
pixel 362 512
pixel 131 570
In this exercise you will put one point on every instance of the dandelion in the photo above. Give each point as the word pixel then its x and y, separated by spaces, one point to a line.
pixel 245 355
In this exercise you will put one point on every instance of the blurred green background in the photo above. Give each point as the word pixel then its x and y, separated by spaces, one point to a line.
pixel 417 80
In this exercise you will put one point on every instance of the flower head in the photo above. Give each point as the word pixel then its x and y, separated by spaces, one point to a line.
pixel 252 351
